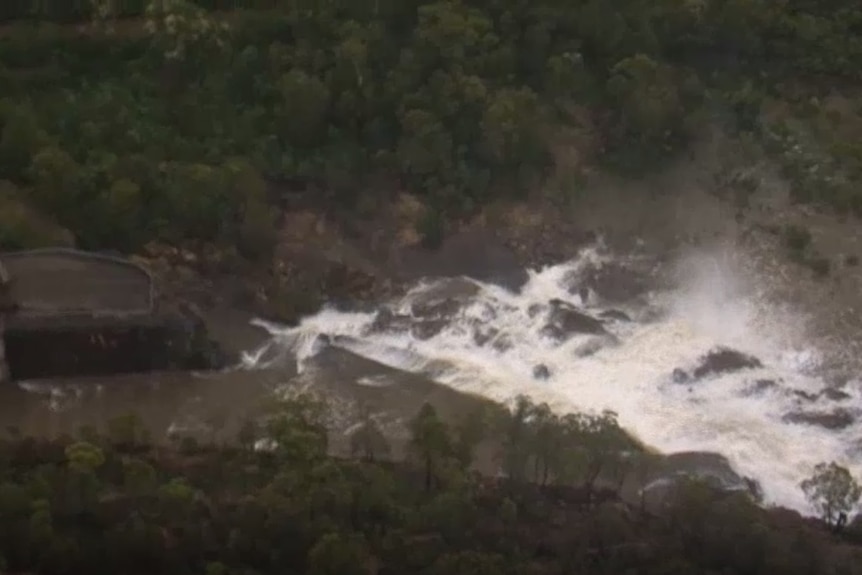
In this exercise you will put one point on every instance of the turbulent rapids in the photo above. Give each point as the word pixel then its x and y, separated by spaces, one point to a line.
pixel 686 353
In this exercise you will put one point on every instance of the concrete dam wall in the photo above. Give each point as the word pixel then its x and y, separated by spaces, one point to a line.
pixel 71 313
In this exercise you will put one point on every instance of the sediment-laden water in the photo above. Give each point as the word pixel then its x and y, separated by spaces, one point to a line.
pixel 690 353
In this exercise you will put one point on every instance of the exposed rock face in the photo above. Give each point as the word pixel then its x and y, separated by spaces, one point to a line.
pixel 712 468
pixel 593 345
pixel 724 360
pixel 473 253
pixel 613 282
pixel 445 298
pixel 833 420
pixel 804 395
pixel 431 311
pixel 833 394
pixel 761 386
pixel 566 321
pixel 541 372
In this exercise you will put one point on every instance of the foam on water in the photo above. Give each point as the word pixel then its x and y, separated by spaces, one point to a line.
pixel 712 305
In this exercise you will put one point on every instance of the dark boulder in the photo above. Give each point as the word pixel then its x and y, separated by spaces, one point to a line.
pixel 833 394
pixel 760 386
pixel 424 330
pixel 541 372
pixel 594 345
pixel 445 298
pixel 502 343
pixel 833 420
pixel 565 321
pixel 613 282
pixel 473 253
pixel 805 395
pixel 387 321
pixel 482 335
pixel 680 376
pixel 724 360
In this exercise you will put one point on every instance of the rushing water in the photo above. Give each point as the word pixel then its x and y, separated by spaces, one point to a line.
pixel 483 339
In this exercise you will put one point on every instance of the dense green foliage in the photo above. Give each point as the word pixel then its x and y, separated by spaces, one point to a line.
pixel 115 504
pixel 170 126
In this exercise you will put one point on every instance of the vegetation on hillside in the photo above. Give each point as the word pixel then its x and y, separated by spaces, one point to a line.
pixel 114 503
pixel 127 121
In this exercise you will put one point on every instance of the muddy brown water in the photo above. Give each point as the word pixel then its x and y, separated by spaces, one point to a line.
pixel 214 405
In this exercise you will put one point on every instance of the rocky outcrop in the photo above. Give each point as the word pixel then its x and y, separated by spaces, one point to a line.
pixel 833 420
pixel 833 394
pixel 760 387
pixel 613 282
pixel 565 321
pixel 473 253
pixel 541 372
pixel 718 361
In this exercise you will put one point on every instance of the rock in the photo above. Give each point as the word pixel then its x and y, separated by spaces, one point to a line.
pixel 445 298
pixel 564 321
pixel 724 360
pixel 593 346
pixel 473 253
pixel 760 386
pixel 754 488
pixel 534 310
pixel 482 336
pixel 613 282
pixel 615 315
pixel 833 420
pixel 502 343
pixel 321 341
pixel 804 395
pixel 711 468
pixel 584 294
pixel 541 372
pixel 680 376
pixel 387 320
pixel 427 329
pixel 833 394
pixel 341 281
pixel 764 384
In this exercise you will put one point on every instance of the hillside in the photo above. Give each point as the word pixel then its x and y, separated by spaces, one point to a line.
pixel 130 123
pixel 112 503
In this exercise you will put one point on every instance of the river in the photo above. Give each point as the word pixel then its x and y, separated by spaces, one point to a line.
pixel 625 332
pixel 774 422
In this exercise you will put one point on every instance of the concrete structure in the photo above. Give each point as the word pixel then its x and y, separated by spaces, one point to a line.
pixel 68 312
pixel 64 282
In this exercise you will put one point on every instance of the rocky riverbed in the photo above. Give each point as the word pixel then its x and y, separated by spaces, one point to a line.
pixel 671 318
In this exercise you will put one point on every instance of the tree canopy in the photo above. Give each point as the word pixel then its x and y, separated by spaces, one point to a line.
pixel 127 121
pixel 93 504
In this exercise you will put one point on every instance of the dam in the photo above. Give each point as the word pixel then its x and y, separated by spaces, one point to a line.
pixel 66 312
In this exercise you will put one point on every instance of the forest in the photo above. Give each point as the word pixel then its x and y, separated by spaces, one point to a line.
pixel 112 502
pixel 129 121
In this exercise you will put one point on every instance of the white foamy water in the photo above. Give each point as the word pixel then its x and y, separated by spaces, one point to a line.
pixel 712 305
